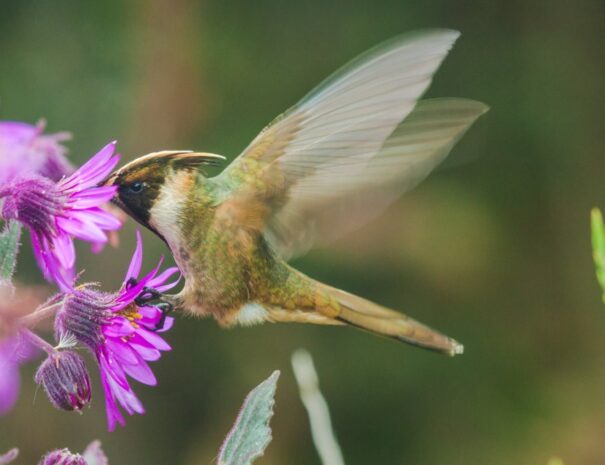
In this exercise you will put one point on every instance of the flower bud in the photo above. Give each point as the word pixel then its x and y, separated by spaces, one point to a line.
pixel 65 379
pixel 62 457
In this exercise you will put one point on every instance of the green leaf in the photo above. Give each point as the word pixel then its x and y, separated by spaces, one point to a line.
pixel 598 247
pixel 251 433
pixel 9 248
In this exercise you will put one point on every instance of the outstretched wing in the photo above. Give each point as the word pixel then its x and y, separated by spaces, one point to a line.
pixel 358 137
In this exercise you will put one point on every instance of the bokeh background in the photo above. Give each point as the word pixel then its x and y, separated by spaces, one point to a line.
pixel 493 249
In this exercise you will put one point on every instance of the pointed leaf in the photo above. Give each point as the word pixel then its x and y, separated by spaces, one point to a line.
pixel 9 248
pixel 251 433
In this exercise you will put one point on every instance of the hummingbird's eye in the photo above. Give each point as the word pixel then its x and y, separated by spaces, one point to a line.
pixel 136 187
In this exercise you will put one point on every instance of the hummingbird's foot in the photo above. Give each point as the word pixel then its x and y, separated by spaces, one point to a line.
pixel 132 282
pixel 147 295
pixel 166 308
pixel 150 297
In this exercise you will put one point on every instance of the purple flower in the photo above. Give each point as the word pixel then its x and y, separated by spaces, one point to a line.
pixel 65 379
pixel 13 352
pixel 93 455
pixel 62 457
pixel 24 150
pixel 57 212
pixel 120 331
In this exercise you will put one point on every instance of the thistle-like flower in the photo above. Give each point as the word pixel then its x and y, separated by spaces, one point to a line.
pixel 93 455
pixel 55 213
pixel 65 379
pixel 24 150
pixel 120 329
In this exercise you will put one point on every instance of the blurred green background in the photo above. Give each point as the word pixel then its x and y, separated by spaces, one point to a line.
pixel 493 250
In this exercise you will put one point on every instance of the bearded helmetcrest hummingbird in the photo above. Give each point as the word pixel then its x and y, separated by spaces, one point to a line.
pixel 330 163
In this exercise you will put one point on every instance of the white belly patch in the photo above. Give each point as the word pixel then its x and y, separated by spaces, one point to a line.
pixel 251 314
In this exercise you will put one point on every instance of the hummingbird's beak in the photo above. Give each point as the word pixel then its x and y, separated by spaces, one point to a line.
pixel 109 180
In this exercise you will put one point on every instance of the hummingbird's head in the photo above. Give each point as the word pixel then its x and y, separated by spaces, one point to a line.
pixel 151 187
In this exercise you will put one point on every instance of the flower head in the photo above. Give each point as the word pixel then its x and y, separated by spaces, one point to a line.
pixel 120 331
pixel 65 379
pixel 93 455
pixel 57 212
pixel 24 149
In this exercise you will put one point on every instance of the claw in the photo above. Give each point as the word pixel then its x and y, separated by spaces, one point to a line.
pixel 147 295
pixel 150 296
pixel 165 308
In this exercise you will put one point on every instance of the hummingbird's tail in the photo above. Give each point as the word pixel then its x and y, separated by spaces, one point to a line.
pixel 372 317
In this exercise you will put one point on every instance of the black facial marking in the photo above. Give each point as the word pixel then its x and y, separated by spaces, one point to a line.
pixel 138 191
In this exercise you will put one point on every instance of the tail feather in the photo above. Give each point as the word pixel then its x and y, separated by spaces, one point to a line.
pixel 372 317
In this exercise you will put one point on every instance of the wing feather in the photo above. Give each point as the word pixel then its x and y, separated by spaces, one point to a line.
pixel 359 135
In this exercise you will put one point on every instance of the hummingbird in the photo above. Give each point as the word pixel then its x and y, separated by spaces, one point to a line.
pixel 329 164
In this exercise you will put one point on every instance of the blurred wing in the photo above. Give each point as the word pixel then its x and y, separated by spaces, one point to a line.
pixel 341 141
pixel 334 201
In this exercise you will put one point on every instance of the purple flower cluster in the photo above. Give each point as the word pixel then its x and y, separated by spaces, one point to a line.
pixel 25 150
pixel 56 212
pixel 40 190
pixel 120 331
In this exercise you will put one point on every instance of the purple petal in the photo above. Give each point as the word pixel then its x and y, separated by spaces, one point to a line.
pixel 155 340
pixel 158 281
pixel 101 218
pixel 125 355
pixel 112 368
pixel 137 259
pixel 97 247
pixel 130 294
pixel 92 197
pixel 38 249
pixel 168 323
pixel 82 230
pixel 118 328
pixel 9 385
pixel 126 398
pixel 94 170
pixel 144 349
pixel 64 250
pixel 113 412
pixel 141 372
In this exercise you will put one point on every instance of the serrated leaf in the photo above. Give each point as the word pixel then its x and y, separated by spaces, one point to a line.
pixel 251 433
pixel 9 248
pixel 598 247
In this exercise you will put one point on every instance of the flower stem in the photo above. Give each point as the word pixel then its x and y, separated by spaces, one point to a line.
pixel 37 341
pixel 41 313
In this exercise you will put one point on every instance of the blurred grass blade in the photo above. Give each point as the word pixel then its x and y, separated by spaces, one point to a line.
pixel 556 460
pixel 598 247
pixel 319 415
pixel 251 433
pixel 9 248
